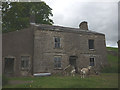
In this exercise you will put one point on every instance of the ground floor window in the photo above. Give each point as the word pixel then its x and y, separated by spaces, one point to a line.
pixel 25 62
pixel 57 61
pixel 9 65
pixel 92 61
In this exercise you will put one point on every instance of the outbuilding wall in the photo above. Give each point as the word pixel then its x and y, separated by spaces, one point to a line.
pixel 16 44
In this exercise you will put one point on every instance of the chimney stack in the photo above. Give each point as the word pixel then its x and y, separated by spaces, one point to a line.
pixel 83 25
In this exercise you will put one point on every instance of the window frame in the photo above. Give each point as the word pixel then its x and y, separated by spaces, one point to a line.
pixel 58 62
pixel 57 44
pixel 92 44
pixel 92 62
pixel 9 56
pixel 28 63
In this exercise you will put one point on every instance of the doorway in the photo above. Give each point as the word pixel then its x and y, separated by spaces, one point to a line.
pixel 9 65
pixel 72 61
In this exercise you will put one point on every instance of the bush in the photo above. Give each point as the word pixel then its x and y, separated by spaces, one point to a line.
pixel 4 80
pixel 113 62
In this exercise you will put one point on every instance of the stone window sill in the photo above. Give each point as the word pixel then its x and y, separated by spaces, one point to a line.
pixel 24 69
pixel 57 47
pixel 57 68
pixel 92 49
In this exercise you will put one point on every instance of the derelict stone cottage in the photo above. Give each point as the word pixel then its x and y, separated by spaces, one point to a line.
pixel 48 48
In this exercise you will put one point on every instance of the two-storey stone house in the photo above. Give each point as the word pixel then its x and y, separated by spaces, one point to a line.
pixel 48 48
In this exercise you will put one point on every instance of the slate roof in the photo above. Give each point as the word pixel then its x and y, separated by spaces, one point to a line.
pixel 64 29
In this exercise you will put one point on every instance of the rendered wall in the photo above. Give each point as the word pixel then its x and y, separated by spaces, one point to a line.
pixel 17 44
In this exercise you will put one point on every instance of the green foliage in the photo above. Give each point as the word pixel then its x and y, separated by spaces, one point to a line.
pixel 112 48
pixel 109 80
pixel 17 15
pixel 4 80
pixel 113 61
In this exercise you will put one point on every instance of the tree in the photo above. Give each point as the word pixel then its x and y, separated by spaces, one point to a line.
pixel 17 15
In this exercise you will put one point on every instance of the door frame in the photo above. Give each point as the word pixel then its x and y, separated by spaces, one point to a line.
pixel 75 58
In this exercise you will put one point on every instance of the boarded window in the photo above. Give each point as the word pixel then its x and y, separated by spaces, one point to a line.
pixel 92 63
pixel 9 65
pixel 91 44
pixel 57 62
pixel 57 42
pixel 25 62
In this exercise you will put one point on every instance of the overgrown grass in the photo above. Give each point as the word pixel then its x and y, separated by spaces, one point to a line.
pixel 107 79
pixel 113 62
pixel 100 81
pixel 112 48
pixel 113 65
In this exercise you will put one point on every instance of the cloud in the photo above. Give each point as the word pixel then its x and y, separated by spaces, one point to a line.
pixel 101 16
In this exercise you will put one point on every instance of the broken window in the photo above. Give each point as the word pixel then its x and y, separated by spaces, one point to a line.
pixel 57 62
pixel 24 62
pixel 57 42
pixel 91 44
pixel 92 61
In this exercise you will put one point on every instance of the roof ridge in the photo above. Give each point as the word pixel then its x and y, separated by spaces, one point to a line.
pixel 62 28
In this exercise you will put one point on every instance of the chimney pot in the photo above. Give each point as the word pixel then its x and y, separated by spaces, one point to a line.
pixel 83 25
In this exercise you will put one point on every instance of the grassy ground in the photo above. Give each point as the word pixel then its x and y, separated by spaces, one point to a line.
pixel 107 79
pixel 113 62
pixel 111 48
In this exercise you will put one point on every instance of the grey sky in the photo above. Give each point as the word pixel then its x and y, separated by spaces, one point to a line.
pixel 101 16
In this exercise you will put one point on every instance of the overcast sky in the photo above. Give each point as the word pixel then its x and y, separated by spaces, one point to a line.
pixel 101 16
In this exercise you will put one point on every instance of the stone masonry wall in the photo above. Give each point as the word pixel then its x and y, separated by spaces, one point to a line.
pixel 72 44
pixel 39 45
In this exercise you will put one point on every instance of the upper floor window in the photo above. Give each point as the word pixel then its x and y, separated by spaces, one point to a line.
pixel 57 62
pixel 92 62
pixel 91 44
pixel 25 62
pixel 57 42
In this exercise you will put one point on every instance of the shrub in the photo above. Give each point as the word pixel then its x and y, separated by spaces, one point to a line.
pixel 113 62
